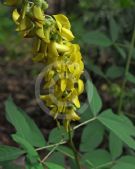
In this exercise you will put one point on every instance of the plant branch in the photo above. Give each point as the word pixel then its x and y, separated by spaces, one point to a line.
pixel 64 142
pixel 126 72
pixel 84 123
pixel 53 149
pixel 52 145
pixel 71 143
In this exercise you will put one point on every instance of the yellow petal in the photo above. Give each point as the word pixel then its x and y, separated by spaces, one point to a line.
pixel 76 102
pixel 15 16
pixel 36 45
pixel 61 48
pixel 71 68
pixel 38 13
pixel 60 107
pixel 71 115
pixel 39 24
pixel 63 84
pixel 52 51
pixel 43 34
pixel 54 112
pixel 63 20
pixel 47 35
pixel 67 34
pixel 39 57
pixel 49 75
pixel 80 86
pixel 70 83
pixel 25 24
pixel 40 33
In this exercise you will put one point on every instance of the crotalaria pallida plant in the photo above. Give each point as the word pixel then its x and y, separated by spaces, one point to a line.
pixel 52 39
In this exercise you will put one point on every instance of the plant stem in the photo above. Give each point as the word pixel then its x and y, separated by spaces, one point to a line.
pixel 73 148
pixel 85 122
pixel 52 145
pixel 64 142
pixel 126 72
pixel 46 157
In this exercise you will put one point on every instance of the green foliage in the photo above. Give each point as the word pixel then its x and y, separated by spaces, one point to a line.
pixel 92 136
pixel 94 99
pixel 96 38
pixel 114 29
pixel 58 134
pixel 121 131
pixel 27 129
pixel 8 153
pixel 115 145
pixel 10 165
pixel 114 72
pixel 125 162
pixel 52 166
pixel 57 158
pixel 120 126
pixel 97 158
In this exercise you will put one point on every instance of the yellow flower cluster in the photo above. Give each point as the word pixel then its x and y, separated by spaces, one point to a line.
pixel 52 45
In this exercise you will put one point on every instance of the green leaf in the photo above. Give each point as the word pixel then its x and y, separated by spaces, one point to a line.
pixel 25 145
pixel 126 162
pixel 66 151
pixel 96 158
pixel 10 165
pixel 94 99
pixel 57 158
pixel 127 159
pixel 36 165
pixel 126 3
pixel 119 126
pixel 121 51
pixel 37 136
pixel 96 69
pixel 92 136
pixel 8 153
pixel 114 29
pixel 26 128
pixel 53 166
pixel 115 145
pixel 58 134
pixel 72 164
pixel 114 72
pixel 97 38
pixel 86 114
pixel 130 77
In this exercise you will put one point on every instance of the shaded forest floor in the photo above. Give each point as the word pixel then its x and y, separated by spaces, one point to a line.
pixel 18 80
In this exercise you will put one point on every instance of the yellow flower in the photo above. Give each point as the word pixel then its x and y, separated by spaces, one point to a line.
pixel 64 27
pixel 52 45
pixel 71 115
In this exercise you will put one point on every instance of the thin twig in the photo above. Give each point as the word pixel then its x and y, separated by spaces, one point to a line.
pixel 84 123
pixel 46 157
pixel 126 72
pixel 64 142
pixel 50 146
pixel 71 143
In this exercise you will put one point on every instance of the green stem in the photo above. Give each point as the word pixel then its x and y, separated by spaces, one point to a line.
pixel 126 72
pixel 51 146
pixel 73 148
pixel 50 153
pixel 84 123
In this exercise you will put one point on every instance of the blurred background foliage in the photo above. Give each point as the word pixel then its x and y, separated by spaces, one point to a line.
pixel 104 30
